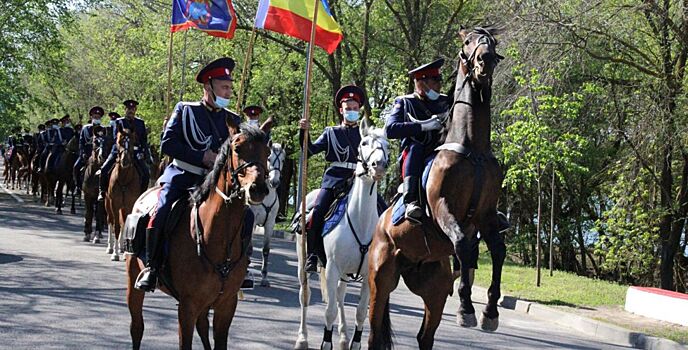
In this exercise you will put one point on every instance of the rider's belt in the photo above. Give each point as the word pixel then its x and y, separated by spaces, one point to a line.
pixel 189 167
pixel 136 148
pixel 345 165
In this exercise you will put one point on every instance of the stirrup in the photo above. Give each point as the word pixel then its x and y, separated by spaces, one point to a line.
pixel 413 213
pixel 309 267
pixel 248 282
pixel 145 272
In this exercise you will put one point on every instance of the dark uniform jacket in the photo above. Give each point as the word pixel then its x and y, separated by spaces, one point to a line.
pixel 340 144
pixel 400 124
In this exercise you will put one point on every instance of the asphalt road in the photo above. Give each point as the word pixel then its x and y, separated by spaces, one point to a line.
pixel 57 292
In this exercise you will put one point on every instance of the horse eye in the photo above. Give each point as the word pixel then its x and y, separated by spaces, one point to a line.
pixel 364 143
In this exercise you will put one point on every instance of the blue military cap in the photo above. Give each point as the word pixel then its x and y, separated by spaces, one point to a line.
pixel 349 93
pixel 53 121
pixel 130 103
pixel 429 70
pixel 96 110
pixel 220 69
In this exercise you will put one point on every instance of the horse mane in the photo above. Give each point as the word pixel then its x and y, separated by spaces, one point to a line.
pixel 252 134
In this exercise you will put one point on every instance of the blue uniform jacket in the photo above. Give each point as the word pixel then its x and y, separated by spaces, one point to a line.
pixel 188 135
pixel 340 144
pixel 62 136
pixel 139 127
pixel 400 126
pixel 86 141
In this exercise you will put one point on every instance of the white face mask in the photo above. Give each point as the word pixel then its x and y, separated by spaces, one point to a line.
pixel 253 122
pixel 55 126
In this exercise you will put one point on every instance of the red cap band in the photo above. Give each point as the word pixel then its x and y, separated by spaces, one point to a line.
pixel 427 73
pixel 350 96
pixel 216 73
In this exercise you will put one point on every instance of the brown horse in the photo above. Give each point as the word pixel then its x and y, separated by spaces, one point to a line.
pixel 123 189
pixel 207 258
pixel 94 208
pixel 462 193
pixel 61 176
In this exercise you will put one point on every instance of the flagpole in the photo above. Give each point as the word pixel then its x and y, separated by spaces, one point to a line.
pixel 168 95
pixel 183 87
pixel 303 171
pixel 245 70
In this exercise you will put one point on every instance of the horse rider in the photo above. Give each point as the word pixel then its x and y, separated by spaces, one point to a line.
pixel 340 144
pixel 86 144
pixel 60 138
pixel 141 152
pixel 416 119
pixel 253 114
pixel 192 137
pixel 51 127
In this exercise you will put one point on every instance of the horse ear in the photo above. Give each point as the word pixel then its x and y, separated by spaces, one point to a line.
pixel 363 128
pixel 463 33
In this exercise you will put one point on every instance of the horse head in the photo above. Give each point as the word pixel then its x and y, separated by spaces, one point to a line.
pixel 275 163
pixel 479 55
pixel 248 155
pixel 373 152
pixel 126 142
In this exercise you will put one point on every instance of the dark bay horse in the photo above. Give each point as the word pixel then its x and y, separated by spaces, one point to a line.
pixel 123 189
pixel 94 208
pixel 462 193
pixel 61 178
pixel 207 258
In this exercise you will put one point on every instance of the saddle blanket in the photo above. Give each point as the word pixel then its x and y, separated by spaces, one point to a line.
pixel 399 210
pixel 337 214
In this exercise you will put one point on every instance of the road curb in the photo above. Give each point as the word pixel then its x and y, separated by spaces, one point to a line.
pixel 596 329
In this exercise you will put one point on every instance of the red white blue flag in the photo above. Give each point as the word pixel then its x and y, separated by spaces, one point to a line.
pixel 215 17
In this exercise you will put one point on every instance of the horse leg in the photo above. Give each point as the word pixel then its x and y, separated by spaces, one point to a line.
pixel 98 212
pixel 433 283
pixel 342 329
pixel 134 302
pixel 467 250
pixel 203 329
pixel 267 233
pixel 383 277
pixel 116 242
pixel 187 322
pixel 304 297
pixel 331 278
pixel 361 312
pixel 72 210
pixel 490 317
pixel 88 222
pixel 222 319
pixel 58 197
pixel 111 239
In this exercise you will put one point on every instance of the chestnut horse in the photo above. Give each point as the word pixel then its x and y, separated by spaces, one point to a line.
pixel 207 258
pixel 462 192
pixel 123 189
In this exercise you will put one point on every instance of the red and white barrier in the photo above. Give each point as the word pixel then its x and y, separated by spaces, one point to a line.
pixel 658 303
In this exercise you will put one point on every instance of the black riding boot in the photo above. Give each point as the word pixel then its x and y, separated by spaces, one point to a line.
pixel 103 180
pixel 414 213
pixel 148 278
pixel 313 237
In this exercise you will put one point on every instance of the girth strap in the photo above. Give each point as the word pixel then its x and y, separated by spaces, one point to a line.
pixel 363 248
pixel 477 162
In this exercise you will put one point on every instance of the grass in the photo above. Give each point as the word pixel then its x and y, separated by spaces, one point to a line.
pixel 564 288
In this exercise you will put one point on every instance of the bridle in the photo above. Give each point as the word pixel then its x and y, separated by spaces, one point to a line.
pixel 364 161
pixel 276 163
pixel 232 188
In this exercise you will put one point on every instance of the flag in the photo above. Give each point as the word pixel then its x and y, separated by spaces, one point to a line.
pixel 215 17
pixel 295 18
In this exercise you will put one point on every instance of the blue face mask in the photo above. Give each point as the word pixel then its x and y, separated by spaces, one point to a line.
pixel 432 95
pixel 112 122
pixel 55 126
pixel 351 116
pixel 221 102
pixel 96 121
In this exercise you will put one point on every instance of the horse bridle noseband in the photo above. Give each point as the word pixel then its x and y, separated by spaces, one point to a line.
pixel 276 164
pixel 364 161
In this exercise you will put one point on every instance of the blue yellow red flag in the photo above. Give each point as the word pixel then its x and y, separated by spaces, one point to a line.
pixel 215 17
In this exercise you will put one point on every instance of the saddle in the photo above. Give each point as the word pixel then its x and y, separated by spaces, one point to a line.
pixel 334 213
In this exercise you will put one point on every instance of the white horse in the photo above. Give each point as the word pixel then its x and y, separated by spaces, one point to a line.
pixel 346 245
pixel 266 212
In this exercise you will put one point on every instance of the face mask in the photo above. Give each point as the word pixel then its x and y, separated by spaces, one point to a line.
pixel 67 125
pixel 55 126
pixel 96 121
pixel 221 101
pixel 112 122
pixel 351 116
pixel 253 122
pixel 432 95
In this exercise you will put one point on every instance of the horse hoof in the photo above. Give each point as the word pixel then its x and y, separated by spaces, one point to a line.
pixel 96 240
pixel 355 346
pixel 489 324
pixel 87 237
pixel 58 211
pixel 114 257
pixel 301 344
pixel 466 320
pixel 343 344
pixel 265 283
pixel 326 346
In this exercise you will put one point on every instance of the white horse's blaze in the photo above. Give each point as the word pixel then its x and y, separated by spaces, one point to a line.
pixel 343 251
pixel 265 213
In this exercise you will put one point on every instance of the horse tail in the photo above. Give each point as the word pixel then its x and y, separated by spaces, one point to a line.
pixel 387 333
pixel 323 286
